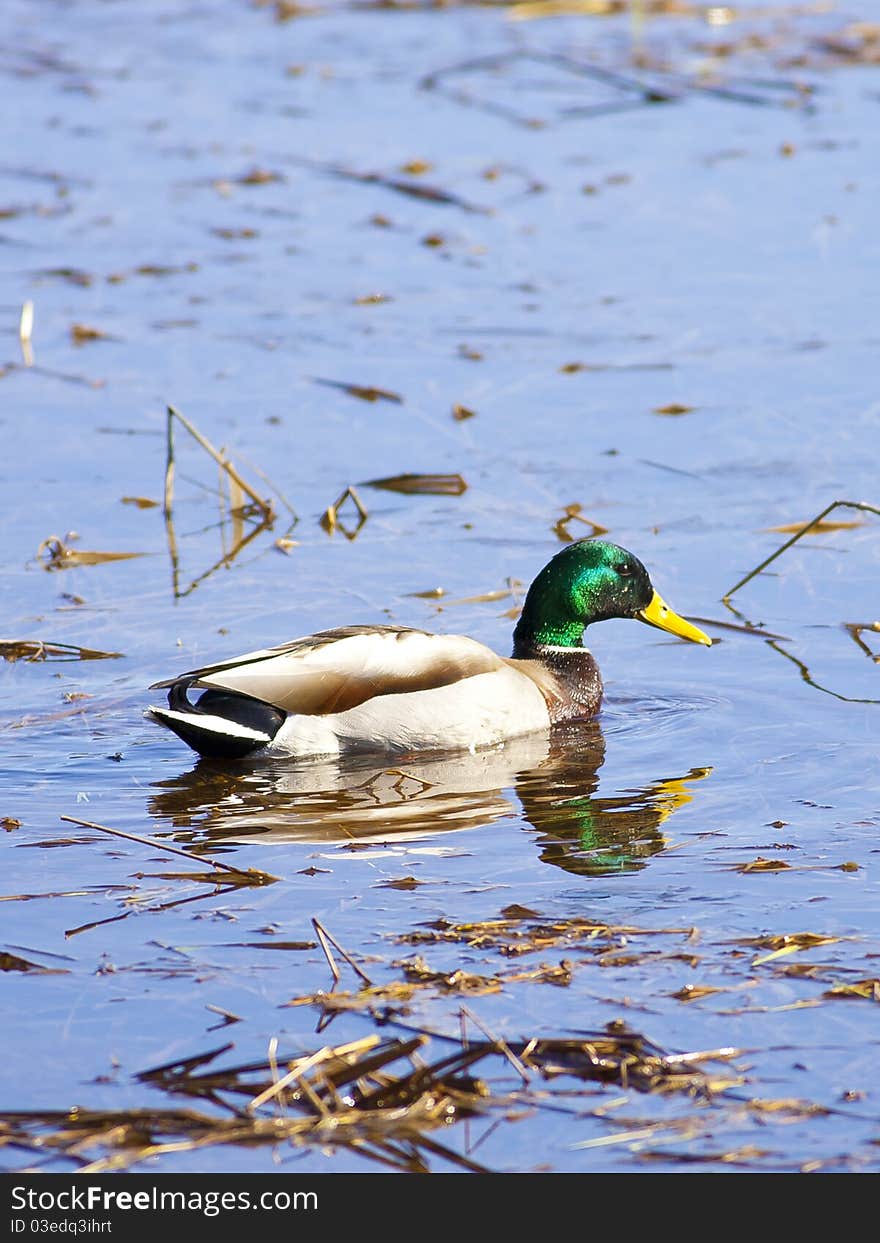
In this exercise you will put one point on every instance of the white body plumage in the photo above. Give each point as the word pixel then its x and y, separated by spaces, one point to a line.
pixel 363 689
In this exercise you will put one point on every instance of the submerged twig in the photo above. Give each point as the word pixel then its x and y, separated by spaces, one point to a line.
pixel 169 465
pixel 259 877
pixel 59 556
pixel 365 392
pixel 630 92
pixel 25 330
pixel 500 1042
pixel 747 578
pixel 807 677
pixel 68 377
pixel 329 520
pixel 400 185
pixel 170 533
pixel 428 485
pixel 855 630
pixel 324 936
pixel 225 560
pixel 238 488
pixel 575 513
pixel 774 641
pixel 328 953
pixel 741 629
pixel 31 650
pixel 263 505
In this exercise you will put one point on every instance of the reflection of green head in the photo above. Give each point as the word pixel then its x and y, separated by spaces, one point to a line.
pixel 594 836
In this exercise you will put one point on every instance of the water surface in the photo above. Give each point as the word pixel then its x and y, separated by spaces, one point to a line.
pixel 193 183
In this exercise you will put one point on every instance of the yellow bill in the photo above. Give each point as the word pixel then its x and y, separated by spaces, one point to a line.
pixel 659 614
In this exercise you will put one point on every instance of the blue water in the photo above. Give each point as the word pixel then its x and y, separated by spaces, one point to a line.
pixel 707 252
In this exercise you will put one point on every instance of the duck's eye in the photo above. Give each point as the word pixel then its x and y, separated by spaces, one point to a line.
pixel 625 570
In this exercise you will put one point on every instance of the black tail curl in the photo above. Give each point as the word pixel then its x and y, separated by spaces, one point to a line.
pixel 228 705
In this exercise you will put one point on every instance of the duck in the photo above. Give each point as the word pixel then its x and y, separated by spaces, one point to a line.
pixel 364 689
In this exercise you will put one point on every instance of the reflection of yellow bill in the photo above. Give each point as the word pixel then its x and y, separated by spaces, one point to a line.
pixel 659 614
pixel 668 796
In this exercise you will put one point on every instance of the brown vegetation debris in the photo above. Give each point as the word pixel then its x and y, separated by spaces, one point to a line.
pixel 560 975
pixel 625 1058
pixel 781 944
pixel 693 992
pixel 379 1098
pixel 788 1106
pixel 868 989
pixel 288 10
pixel 674 407
pixel 330 519
pixel 229 875
pixel 761 864
pixel 75 276
pixel 857 43
pixel 82 333
pixel 423 485
pixel 258 177
pixel 56 555
pixel 416 970
pixel 37 649
pixel 12 962
pixel 391 997
pixel 817 528
pixel 365 392
pixel 518 935
pixel 575 513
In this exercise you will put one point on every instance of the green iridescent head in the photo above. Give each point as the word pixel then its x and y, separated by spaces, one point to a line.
pixel 590 581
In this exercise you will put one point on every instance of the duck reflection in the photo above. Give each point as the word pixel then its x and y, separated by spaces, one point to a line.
pixel 591 835
pixel 549 780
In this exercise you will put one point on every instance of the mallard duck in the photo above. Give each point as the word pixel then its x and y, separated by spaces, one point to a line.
pixel 399 690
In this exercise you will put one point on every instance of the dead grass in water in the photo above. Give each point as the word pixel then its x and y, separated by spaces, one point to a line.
pixel 383 1099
